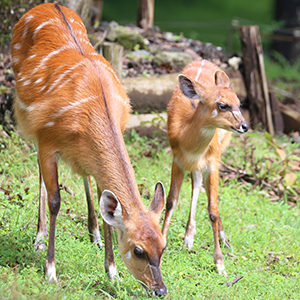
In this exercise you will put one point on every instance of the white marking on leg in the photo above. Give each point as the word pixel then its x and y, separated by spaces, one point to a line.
pixel 188 241
pixel 38 245
pixel 111 270
pixel 191 229
pixel 50 271
pixel 222 236
pixel 96 235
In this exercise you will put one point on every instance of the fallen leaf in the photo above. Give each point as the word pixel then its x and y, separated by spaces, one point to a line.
pixel 290 178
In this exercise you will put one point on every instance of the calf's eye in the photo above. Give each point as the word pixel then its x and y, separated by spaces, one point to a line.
pixel 138 252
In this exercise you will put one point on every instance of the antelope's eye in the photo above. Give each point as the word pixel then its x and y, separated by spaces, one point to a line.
pixel 223 107
pixel 138 252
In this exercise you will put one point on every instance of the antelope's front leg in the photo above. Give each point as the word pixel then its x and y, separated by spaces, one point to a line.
pixel 49 172
pixel 211 183
pixel 191 225
pixel 176 183
pixel 92 218
pixel 109 261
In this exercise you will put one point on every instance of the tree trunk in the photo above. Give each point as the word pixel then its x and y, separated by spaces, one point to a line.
pixel 81 7
pixel 145 15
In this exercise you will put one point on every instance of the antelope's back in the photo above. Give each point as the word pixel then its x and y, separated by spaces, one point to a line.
pixel 62 83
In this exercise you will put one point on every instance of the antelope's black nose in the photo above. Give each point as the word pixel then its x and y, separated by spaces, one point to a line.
pixel 244 126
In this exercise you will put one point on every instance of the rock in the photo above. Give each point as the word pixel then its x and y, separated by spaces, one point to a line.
pixel 148 94
pixel 177 60
pixel 125 36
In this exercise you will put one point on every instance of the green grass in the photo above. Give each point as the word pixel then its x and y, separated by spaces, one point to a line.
pixel 264 234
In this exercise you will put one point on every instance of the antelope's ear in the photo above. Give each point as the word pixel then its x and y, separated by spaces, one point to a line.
pixel 187 87
pixel 111 209
pixel 221 78
pixel 158 202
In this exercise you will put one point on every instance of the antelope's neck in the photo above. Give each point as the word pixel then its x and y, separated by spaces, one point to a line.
pixel 198 133
pixel 112 169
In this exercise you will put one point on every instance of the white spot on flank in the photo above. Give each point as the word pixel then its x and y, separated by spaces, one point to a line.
pixel 62 75
pixel 32 56
pixel 15 60
pixel 17 46
pixel 41 26
pixel 38 80
pixel 128 255
pixel 44 60
pixel 199 70
pixel 28 18
pixel 49 124
pixel 72 105
pixel 71 20
pixel 27 82
pixel 214 113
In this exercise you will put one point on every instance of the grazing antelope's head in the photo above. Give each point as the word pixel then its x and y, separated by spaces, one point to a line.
pixel 210 87
pixel 139 235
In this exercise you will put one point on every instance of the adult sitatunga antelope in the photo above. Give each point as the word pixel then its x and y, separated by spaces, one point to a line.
pixel 202 113
pixel 71 103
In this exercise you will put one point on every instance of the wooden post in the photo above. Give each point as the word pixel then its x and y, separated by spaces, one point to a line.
pixel 255 78
pixel 145 15
pixel 113 52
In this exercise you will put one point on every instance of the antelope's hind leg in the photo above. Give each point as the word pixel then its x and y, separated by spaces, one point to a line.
pixel 177 177
pixel 211 183
pixel 92 218
pixel 42 230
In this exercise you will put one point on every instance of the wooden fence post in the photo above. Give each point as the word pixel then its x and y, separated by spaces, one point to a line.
pixel 255 78
pixel 112 52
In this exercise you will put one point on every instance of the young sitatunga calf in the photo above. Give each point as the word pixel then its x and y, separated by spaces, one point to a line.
pixel 202 113
pixel 71 103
